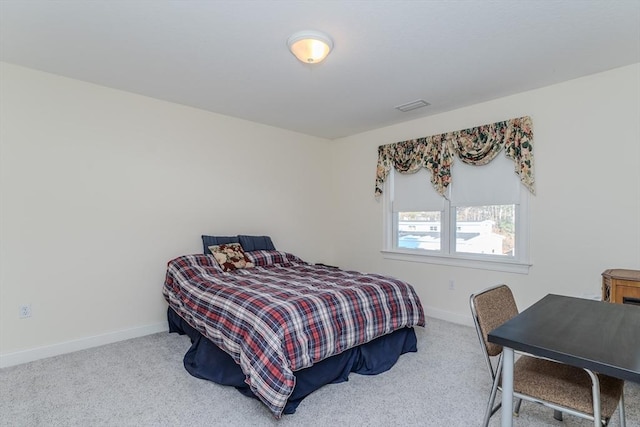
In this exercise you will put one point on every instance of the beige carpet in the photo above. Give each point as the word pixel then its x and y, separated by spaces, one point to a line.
pixel 142 382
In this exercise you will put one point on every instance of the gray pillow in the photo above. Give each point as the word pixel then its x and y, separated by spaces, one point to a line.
pixel 256 243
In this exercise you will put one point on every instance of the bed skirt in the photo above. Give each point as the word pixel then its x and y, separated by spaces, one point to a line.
pixel 207 361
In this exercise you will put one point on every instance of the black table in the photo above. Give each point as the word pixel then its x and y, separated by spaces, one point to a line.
pixel 596 335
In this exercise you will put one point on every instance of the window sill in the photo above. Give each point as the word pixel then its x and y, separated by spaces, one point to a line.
pixel 507 266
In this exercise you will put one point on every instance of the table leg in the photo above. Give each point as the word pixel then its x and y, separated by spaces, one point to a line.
pixel 507 387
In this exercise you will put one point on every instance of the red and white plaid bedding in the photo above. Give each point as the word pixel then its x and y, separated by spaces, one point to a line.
pixel 284 315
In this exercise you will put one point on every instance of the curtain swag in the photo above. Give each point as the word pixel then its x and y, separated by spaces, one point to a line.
pixel 474 146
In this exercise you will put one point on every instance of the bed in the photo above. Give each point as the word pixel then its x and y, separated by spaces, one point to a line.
pixel 278 328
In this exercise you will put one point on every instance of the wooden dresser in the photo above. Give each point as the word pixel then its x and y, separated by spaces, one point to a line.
pixel 621 286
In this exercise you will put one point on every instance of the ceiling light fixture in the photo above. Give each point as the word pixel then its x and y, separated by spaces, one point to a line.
pixel 310 47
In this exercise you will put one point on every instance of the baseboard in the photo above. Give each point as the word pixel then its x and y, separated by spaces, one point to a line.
pixel 448 316
pixel 30 355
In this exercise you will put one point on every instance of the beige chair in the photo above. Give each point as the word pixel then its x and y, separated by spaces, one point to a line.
pixel 561 387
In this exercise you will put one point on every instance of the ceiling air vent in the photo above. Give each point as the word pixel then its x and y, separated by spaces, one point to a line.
pixel 412 105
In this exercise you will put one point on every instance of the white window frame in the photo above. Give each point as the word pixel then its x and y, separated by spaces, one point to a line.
pixel 519 264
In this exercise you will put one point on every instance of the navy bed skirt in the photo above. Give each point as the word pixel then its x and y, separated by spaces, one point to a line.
pixel 207 361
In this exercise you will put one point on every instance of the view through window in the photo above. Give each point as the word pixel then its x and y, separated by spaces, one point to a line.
pixel 488 230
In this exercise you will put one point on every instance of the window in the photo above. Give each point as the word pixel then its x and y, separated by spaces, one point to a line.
pixel 483 222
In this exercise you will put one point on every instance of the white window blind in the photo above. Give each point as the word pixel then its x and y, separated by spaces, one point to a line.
pixel 414 193
pixel 495 183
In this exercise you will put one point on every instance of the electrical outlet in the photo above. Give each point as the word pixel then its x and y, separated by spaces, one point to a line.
pixel 452 285
pixel 24 311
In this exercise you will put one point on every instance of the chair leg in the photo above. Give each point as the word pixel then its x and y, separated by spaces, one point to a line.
pixel 492 397
pixel 516 412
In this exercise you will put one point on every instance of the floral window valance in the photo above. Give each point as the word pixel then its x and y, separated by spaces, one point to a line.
pixel 474 146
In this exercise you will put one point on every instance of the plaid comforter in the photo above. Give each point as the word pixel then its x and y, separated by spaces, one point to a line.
pixel 284 315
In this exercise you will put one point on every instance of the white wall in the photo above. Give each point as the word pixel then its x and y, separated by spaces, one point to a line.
pixel 585 216
pixel 100 188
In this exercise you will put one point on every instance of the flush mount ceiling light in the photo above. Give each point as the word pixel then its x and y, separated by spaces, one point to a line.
pixel 310 47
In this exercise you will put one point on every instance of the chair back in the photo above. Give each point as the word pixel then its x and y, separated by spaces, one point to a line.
pixel 491 308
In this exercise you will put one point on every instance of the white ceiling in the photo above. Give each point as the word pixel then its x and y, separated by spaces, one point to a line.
pixel 231 57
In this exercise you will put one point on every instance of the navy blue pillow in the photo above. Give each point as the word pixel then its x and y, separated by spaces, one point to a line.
pixel 217 240
pixel 256 243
